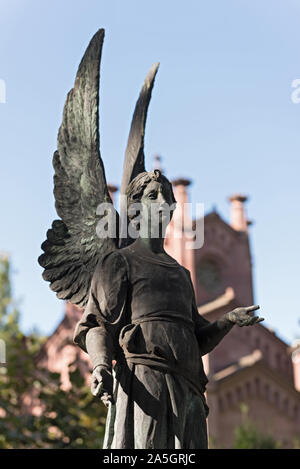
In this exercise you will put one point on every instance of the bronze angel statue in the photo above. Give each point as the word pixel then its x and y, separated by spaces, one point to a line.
pixel 139 304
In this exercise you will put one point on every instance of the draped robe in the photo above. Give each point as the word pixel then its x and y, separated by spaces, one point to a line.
pixel 144 309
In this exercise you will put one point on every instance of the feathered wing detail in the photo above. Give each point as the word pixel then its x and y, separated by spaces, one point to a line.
pixel 72 248
pixel 134 162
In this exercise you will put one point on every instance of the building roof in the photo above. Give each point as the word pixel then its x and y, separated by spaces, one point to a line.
pixel 252 363
pixel 226 299
pixel 244 362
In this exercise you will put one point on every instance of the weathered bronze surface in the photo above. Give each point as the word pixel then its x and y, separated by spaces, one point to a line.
pixel 139 302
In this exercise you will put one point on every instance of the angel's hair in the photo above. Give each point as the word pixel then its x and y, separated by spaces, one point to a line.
pixel 137 186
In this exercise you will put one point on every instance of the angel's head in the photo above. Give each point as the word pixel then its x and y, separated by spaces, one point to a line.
pixel 150 196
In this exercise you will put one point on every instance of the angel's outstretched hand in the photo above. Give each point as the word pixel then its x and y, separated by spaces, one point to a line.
pixel 241 316
pixel 102 384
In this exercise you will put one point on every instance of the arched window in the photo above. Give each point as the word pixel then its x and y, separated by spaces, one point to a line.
pixel 257 385
pixel 220 404
pixel 276 398
pixel 208 274
pixel 229 399
pixel 267 391
pixel 248 389
pixel 239 393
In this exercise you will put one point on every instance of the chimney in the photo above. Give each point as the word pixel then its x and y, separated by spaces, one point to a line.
pixel 238 219
pixel 112 189
pixel 296 366
pixel 157 159
pixel 176 242
pixel 180 191
pixel 157 163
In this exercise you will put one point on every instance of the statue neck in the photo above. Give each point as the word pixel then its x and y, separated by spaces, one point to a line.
pixel 155 245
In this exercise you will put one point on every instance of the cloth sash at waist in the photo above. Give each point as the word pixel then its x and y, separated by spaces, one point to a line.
pixel 167 316
pixel 127 337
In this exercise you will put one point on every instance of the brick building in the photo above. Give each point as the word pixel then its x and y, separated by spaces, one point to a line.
pixel 251 365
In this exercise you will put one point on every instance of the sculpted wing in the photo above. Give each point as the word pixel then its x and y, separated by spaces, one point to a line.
pixel 134 162
pixel 72 248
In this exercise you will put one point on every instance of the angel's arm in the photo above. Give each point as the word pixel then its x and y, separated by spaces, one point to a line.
pixel 93 338
pixel 209 334
pixel 98 330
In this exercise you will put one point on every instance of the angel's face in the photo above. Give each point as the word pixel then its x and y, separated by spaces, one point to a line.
pixel 157 208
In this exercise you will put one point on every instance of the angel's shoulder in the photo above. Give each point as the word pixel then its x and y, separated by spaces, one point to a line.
pixel 187 271
pixel 188 275
pixel 111 264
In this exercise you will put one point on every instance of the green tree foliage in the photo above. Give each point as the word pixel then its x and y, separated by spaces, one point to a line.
pixel 69 419
pixel 247 436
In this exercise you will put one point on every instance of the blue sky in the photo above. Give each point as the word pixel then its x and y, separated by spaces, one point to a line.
pixel 221 114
